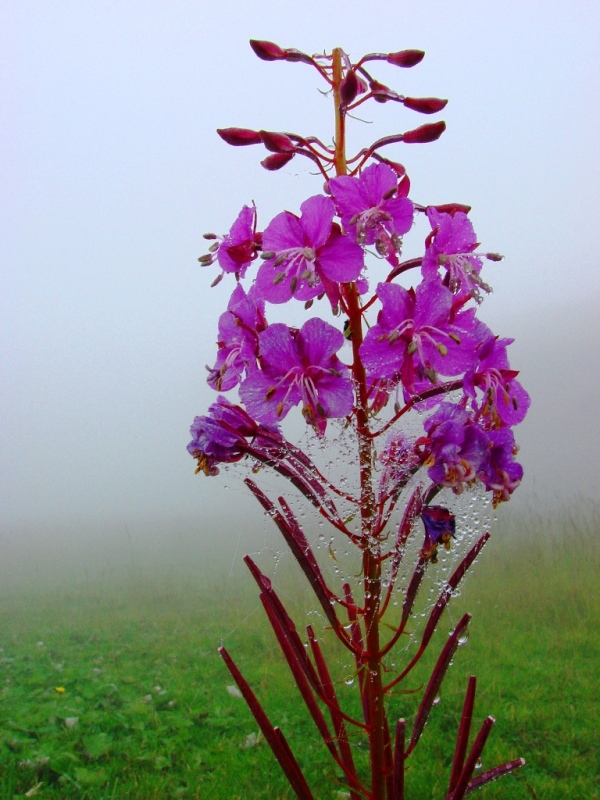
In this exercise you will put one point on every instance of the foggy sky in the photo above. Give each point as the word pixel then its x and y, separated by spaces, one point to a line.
pixel 111 172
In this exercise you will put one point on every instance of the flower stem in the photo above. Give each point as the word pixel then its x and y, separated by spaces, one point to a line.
pixel 371 555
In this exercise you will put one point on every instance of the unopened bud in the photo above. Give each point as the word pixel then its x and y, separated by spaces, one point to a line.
pixel 494 257
pixel 276 161
pixel 349 88
pixel 209 236
pixel 381 92
pixel 268 51
pixel 239 137
pixel 425 133
pixel 425 105
pixel 452 208
pixel 276 142
pixel 404 187
pixel 405 58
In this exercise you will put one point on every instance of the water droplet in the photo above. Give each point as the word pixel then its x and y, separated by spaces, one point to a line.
pixel 349 681
pixel 479 764
pixel 437 700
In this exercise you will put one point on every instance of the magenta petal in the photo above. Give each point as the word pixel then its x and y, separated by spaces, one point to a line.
pixel 281 291
pixel 378 179
pixel 284 231
pixel 264 401
pixel 278 348
pixel 317 216
pixel 319 341
pixel 402 211
pixel 349 194
pixel 336 395
pixel 341 259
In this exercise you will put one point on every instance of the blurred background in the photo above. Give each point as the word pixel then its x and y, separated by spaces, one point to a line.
pixel 112 171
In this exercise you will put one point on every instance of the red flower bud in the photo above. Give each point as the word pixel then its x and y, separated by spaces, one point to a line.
pixel 452 208
pixel 349 88
pixel 276 142
pixel 405 58
pixel 239 137
pixel 276 161
pixel 425 133
pixel 268 51
pixel 404 187
pixel 425 105
pixel 381 92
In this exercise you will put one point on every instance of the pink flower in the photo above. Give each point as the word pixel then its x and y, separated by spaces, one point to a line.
pixel 416 337
pixel 311 256
pixel 299 366
pixel 240 246
pixel 370 209
pixel 450 246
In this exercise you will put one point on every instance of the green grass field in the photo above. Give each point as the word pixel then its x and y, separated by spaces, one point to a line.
pixel 146 713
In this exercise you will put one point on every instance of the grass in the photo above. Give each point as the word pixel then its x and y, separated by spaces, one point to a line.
pixel 146 712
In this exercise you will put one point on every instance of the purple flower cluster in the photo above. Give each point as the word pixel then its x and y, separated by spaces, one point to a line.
pixel 426 345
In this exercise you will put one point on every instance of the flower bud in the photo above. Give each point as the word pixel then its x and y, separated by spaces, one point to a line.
pixel 405 58
pixel 452 208
pixel 381 92
pixel 267 51
pixel 276 161
pixel 425 133
pixel 425 105
pixel 238 137
pixel 404 187
pixel 349 87
pixel 276 142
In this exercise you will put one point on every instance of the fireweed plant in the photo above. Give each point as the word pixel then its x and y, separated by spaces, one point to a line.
pixel 404 340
